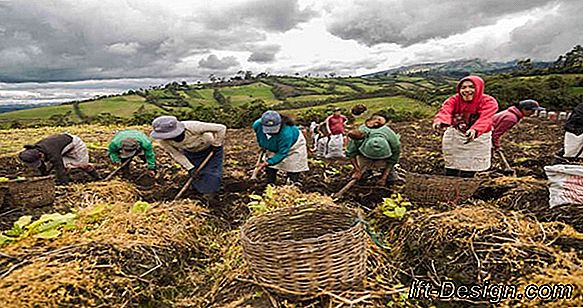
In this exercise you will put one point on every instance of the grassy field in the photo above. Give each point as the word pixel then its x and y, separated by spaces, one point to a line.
pixel 122 106
pixel 577 90
pixel 398 103
pixel 368 88
pixel 36 113
pixel 202 97
pixel 248 93
pixel 305 98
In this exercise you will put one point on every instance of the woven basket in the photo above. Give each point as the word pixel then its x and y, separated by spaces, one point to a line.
pixel 306 249
pixel 30 192
pixel 430 189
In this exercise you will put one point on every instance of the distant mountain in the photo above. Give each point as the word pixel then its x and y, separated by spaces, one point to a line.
pixel 455 68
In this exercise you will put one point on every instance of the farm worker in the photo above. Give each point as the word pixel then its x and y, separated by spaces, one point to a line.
pixel 63 152
pixel 505 120
pixel 314 135
pixel 574 133
pixel 322 140
pixel 335 143
pixel 129 143
pixel 374 145
pixel 335 123
pixel 285 146
pixel 189 143
pixel 469 117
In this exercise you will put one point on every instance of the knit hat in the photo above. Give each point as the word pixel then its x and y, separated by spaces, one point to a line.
pixel 376 147
pixel 129 148
pixel 31 157
pixel 166 127
pixel 271 122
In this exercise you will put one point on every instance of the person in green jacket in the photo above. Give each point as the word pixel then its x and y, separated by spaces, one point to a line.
pixel 374 145
pixel 285 146
pixel 127 144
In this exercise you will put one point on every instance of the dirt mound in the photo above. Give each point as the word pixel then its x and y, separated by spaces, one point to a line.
pixel 530 196
pixel 479 243
pixel 114 256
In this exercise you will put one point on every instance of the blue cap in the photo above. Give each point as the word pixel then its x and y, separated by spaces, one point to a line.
pixel 529 104
pixel 271 122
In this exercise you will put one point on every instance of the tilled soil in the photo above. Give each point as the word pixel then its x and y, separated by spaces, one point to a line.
pixel 529 147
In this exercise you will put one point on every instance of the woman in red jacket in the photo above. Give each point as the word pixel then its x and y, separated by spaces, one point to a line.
pixel 468 117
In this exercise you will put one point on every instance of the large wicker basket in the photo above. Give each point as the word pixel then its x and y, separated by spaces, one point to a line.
pixel 306 249
pixel 30 192
pixel 429 189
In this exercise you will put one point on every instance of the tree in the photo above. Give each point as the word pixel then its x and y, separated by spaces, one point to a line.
pixel 525 65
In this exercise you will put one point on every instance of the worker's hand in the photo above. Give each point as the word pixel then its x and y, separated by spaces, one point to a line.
pixel 439 126
pixel 152 173
pixel 260 166
pixel 471 134
pixel 357 174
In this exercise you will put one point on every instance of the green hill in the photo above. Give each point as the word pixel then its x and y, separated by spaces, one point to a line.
pixel 297 95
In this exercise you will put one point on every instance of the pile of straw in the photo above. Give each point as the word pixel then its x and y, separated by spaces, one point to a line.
pixel 114 256
pixel 89 194
pixel 477 243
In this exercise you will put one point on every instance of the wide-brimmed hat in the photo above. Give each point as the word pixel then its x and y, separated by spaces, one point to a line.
pixel 31 157
pixel 375 148
pixel 166 127
pixel 129 148
pixel 271 122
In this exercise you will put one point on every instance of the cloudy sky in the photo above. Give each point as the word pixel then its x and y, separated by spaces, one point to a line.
pixel 147 41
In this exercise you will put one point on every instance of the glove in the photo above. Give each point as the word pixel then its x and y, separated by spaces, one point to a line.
pixel 471 134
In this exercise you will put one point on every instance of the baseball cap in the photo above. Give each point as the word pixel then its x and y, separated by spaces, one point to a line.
pixel 271 122
pixel 529 104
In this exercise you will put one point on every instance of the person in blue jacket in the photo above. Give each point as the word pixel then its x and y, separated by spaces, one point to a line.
pixel 284 144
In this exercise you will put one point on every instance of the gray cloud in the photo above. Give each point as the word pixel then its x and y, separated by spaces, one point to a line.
pixel 276 16
pixel 214 63
pixel 64 40
pixel 407 22
pixel 265 54
pixel 549 37
pixel 542 39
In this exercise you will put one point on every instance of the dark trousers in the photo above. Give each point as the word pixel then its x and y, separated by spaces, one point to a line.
pixel 272 176
pixel 459 173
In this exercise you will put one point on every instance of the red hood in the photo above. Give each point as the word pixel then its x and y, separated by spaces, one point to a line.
pixel 478 84
pixel 516 111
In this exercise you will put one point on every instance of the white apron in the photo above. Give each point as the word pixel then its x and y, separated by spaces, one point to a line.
pixel 75 154
pixel 297 158
pixel 474 156
pixel 573 145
